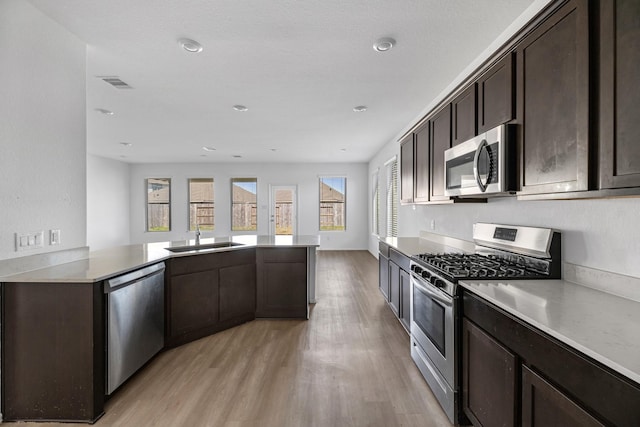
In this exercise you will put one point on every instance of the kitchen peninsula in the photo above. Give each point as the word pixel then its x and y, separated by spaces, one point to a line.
pixel 55 334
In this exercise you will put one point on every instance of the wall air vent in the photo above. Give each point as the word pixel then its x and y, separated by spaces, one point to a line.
pixel 115 82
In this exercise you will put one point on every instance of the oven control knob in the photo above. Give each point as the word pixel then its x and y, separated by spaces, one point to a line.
pixel 426 274
pixel 417 269
pixel 439 283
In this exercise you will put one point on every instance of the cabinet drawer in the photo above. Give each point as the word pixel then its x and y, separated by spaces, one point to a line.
pixel 204 262
pixel 383 248
pixel 400 259
pixel 283 254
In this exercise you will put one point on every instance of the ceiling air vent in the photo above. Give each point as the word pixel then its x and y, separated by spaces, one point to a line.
pixel 115 82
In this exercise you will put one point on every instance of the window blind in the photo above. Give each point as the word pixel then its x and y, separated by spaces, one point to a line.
pixel 392 198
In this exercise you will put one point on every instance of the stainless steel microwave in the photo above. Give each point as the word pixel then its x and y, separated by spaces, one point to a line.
pixel 484 165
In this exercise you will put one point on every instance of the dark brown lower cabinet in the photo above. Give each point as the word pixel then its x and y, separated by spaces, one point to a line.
pixel 282 283
pixel 208 293
pixel 194 301
pixel 508 362
pixel 383 275
pixel 237 291
pixel 53 364
pixel 394 287
pixel 489 386
pixel 543 405
pixel 405 299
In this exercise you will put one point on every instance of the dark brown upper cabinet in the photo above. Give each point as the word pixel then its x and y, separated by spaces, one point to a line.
pixel 464 115
pixel 619 94
pixel 440 142
pixel 406 169
pixel 421 164
pixel 496 94
pixel 553 102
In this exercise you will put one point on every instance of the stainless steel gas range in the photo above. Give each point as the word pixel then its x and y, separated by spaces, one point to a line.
pixel 502 252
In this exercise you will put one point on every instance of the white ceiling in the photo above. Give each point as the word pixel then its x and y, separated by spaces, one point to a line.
pixel 300 66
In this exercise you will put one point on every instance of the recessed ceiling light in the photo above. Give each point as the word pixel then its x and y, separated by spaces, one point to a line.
pixel 360 108
pixel 237 156
pixel 189 45
pixel 208 149
pixel 126 144
pixel 105 112
pixel 384 44
pixel 240 108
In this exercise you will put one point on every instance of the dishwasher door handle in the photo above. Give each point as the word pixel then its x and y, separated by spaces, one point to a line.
pixel 135 276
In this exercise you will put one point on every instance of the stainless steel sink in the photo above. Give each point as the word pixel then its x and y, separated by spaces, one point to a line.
pixel 203 246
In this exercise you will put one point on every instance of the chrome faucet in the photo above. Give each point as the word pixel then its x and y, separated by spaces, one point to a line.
pixel 197 234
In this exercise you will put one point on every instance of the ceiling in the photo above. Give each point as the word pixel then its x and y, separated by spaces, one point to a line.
pixel 300 66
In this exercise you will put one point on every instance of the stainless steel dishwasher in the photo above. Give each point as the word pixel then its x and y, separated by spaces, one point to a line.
pixel 135 322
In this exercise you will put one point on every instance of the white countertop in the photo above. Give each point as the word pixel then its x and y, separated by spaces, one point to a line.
pixel 106 263
pixel 603 326
pixel 599 324
pixel 411 246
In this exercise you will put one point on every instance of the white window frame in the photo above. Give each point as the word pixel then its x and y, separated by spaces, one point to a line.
pixel 320 178
pixel 189 202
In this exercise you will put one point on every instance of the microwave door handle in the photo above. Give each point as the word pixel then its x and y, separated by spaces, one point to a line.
pixel 476 172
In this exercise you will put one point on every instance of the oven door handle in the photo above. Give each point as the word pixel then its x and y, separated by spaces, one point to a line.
pixel 444 300
pixel 476 172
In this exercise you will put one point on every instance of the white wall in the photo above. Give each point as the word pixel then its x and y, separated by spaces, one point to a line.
pixel 108 202
pixel 305 176
pixel 42 130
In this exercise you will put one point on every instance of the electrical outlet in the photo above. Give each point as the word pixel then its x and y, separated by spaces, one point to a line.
pixel 54 237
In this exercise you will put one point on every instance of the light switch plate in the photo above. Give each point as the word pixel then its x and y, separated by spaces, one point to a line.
pixel 29 240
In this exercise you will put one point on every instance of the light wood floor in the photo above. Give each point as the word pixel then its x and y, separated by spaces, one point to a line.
pixel 349 365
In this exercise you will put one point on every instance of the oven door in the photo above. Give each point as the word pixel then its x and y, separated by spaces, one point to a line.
pixel 432 326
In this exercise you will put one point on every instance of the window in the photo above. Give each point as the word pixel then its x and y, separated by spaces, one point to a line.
pixel 244 204
pixel 201 204
pixel 333 197
pixel 375 207
pixel 392 197
pixel 158 204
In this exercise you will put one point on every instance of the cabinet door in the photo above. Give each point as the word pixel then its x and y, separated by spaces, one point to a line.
pixel 383 275
pixel 619 93
pixel 464 115
pixel 406 169
pixel 405 299
pixel 440 142
pixel 421 164
pixel 543 405
pixel 489 391
pixel 496 95
pixel 237 291
pixel 281 282
pixel 394 287
pixel 553 102
pixel 193 301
